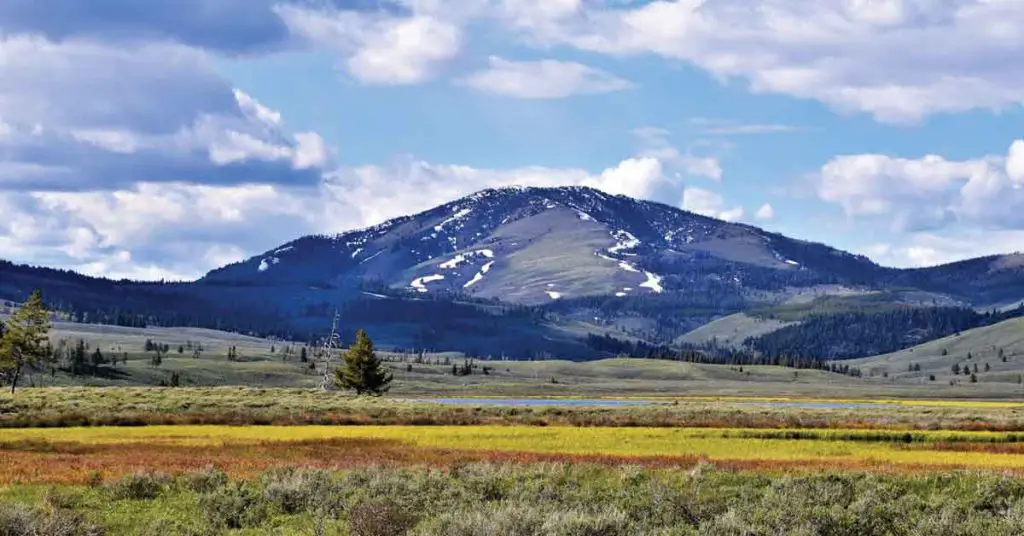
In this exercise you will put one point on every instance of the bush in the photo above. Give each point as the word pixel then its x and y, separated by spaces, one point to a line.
pixel 381 517
pixel 292 491
pixel 204 481
pixel 516 520
pixel 17 520
pixel 234 507
pixel 140 486
pixel 609 523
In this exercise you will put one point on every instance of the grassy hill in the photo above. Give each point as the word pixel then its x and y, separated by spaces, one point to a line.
pixel 984 345
pixel 732 330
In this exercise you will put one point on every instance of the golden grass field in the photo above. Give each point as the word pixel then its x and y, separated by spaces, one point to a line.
pixel 71 454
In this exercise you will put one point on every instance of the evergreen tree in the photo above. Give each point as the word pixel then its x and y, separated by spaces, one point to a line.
pixel 974 378
pixel 22 344
pixel 303 355
pixel 956 369
pixel 988 367
pixel 97 360
pixel 363 371
pixel 78 358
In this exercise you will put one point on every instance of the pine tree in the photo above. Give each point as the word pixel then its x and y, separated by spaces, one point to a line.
pixel 22 344
pixel 97 360
pixel 974 378
pixel 363 370
pixel 988 367
pixel 78 358
pixel 956 369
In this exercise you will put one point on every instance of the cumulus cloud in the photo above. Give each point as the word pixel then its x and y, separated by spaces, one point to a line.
pixel 708 203
pixel 765 213
pixel 84 114
pixel 654 143
pixel 233 26
pixel 930 249
pixel 898 60
pixel 379 47
pixel 545 79
pixel 927 193
pixel 151 230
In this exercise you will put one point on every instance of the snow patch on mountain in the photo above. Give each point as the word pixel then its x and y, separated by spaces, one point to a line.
pixel 554 295
pixel 479 275
pixel 265 264
pixel 357 252
pixel 626 241
pixel 653 282
pixel 371 257
pixel 628 267
pixel 463 257
pixel 420 283
pixel 459 214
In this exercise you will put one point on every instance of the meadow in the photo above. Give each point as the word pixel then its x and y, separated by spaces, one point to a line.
pixel 134 406
pixel 547 499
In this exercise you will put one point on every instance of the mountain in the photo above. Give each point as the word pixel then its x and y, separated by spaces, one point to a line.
pixel 535 271
pixel 534 245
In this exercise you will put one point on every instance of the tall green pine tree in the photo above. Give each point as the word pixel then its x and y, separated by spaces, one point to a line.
pixel 363 371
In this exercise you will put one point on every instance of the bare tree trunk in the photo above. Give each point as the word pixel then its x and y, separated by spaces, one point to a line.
pixel 14 380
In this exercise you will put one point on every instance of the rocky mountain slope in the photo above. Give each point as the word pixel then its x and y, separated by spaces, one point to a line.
pixel 535 245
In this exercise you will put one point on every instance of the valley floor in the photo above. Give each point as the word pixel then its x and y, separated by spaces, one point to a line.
pixel 186 461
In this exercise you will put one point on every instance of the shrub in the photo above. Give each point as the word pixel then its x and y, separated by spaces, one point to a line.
pixel 17 520
pixel 233 507
pixel 516 520
pixel 612 522
pixel 204 481
pixel 381 517
pixel 140 486
pixel 292 491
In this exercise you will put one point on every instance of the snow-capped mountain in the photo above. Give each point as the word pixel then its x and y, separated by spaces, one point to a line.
pixel 535 245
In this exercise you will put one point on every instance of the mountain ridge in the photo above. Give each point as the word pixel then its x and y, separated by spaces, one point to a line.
pixel 547 264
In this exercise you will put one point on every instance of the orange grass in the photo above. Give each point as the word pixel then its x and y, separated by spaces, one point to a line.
pixel 34 462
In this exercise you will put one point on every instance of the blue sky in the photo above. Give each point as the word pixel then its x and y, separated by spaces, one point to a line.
pixel 163 138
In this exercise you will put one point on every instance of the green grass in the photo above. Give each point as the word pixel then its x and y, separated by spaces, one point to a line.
pixel 886 377
pixel 533 500
pixel 84 406
pixel 937 358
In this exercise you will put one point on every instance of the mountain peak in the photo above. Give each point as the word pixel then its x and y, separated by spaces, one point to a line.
pixel 541 244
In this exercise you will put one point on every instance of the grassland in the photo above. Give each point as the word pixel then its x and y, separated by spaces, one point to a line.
pixel 516 500
pixel 259 366
pixel 123 406
pixel 986 346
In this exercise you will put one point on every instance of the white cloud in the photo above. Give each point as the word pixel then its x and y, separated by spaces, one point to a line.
pixel 727 127
pixel 1015 163
pixel 708 203
pixel 927 193
pixel 84 114
pixel 545 79
pixel 929 249
pixel 765 213
pixel 898 60
pixel 379 48
pixel 654 143
pixel 635 177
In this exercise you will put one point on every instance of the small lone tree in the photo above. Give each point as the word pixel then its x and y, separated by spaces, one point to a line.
pixel 24 336
pixel 363 370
